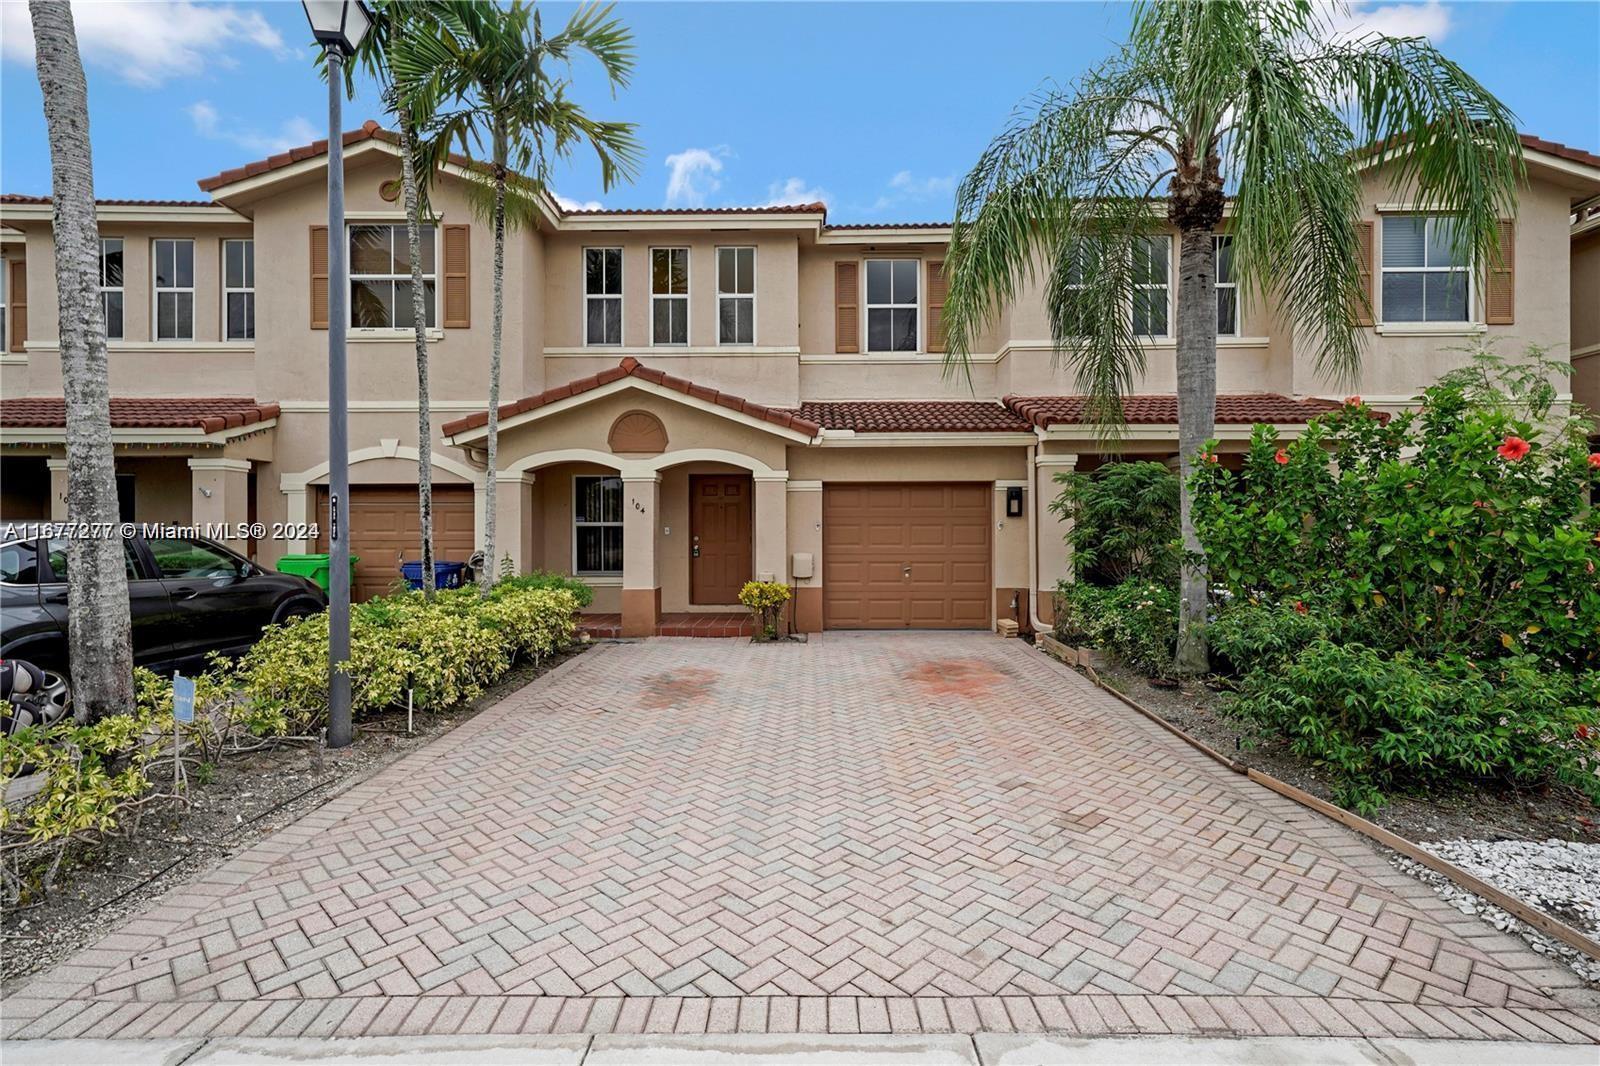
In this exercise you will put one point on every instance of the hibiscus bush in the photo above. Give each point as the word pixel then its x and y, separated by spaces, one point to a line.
pixel 1417 599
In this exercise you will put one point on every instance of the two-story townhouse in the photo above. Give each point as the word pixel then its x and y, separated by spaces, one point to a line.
pixel 695 397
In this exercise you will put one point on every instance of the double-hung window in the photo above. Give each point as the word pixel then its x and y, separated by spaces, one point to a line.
pixel 1425 279
pixel 1227 289
pixel 111 286
pixel 669 296
pixel 380 277
pixel 736 295
pixel 239 290
pixel 174 289
pixel 597 525
pixel 892 305
pixel 602 295
pixel 5 279
pixel 1152 258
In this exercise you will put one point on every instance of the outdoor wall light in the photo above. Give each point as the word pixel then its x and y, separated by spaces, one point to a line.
pixel 1014 501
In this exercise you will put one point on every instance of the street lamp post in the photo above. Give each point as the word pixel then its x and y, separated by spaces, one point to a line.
pixel 338 26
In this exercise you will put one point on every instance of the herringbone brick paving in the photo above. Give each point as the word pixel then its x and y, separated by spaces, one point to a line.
pixel 874 833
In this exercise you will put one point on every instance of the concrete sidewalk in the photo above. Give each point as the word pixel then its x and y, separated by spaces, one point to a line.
pixel 996 1049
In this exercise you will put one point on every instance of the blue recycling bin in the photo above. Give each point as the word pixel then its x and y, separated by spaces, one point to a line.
pixel 445 575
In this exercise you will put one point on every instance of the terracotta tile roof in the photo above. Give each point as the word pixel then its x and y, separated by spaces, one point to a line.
pixel 887 225
pixel 631 367
pixel 770 209
pixel 916 416
pixel 24 198
pixel 1576 155
pixel 369 131
pixel 1239 408
pixel 210 414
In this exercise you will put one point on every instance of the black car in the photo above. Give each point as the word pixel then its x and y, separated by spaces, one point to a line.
pixel 189 597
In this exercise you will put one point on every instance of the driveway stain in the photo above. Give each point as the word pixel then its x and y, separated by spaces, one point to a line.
pixel 677 688
pixel 967 678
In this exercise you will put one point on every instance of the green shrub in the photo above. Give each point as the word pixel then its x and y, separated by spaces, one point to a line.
pixel 1243 636
pixel 546 579
pixel 765 600
pixel 1381 722
pixel 1124 522
pixel 1137 621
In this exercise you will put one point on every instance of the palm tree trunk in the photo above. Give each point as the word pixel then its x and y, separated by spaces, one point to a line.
pixel 490 567
pixel 419 316
pixel 99 642
pixel 1197 416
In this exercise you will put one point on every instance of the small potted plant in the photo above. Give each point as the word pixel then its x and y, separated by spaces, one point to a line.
pixel 765 600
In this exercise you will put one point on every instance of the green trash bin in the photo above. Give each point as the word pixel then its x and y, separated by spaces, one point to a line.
pixel 314 565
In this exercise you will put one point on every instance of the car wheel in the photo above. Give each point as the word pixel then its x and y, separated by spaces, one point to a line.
pixel 55 699
pixel 294 612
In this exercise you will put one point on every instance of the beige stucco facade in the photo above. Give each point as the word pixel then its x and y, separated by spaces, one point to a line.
pixel 269 472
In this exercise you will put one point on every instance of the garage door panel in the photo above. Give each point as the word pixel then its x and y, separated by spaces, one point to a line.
pixel 872 534
pixel 385 529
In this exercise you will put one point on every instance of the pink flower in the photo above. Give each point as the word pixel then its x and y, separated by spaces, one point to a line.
pixel 1282 458
pixel 1352 401
pixel 1514 448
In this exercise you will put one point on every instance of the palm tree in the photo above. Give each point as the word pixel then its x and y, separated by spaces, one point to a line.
pixel 393 20
pixel 1261 101
pixel 99 633
pixel 485 73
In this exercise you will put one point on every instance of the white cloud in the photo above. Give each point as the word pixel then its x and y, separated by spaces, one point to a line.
pixel 1430 19
pixel 795 191
pixel 906 188
pixel 569 204
pixel 147 44
pixel 208 123
pixel 693 176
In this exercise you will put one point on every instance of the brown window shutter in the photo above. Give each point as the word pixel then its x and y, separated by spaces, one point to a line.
pixel 1499 291
pixel 319 277
pixel 17 311
pixel 1364 268
pixel 937 286
pixel 457 280
pixel 847 306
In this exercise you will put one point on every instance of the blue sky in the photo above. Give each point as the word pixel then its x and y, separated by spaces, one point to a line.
pixel 875 108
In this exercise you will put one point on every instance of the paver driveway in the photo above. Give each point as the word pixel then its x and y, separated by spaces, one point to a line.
pixel 878 832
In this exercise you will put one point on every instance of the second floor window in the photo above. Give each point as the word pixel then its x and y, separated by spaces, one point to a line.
pixel 602 295
pixel 1227 290
pixel 669 296
pixel 736 295
pixel 174 289
pixel 1424 279
pixel 5 280
pixel 380 277
pixel 891 305
pixel 239 290
pixel 597 525
pixel 1151 285
pixel 111 286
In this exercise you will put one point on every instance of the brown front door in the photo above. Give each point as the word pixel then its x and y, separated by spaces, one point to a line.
pixel 906 556
pixel 719 537
pixel 385 530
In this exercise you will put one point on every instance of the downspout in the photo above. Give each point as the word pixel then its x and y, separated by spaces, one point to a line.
pixel 1039 624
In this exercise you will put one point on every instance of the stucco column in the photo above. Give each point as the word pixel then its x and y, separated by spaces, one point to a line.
pixel 805 537
pixel 514 517
pixel 220 499
pixel 772 526
pixel 641 571
pixel 58 489
pixel 1055 558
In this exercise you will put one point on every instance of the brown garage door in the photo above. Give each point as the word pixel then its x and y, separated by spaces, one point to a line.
pixel 385 530
pixel 906 556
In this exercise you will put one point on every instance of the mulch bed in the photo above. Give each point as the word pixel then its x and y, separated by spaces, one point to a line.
pixel 246 798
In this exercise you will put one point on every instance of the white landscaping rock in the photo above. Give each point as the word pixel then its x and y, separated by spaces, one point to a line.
pixel 1558 877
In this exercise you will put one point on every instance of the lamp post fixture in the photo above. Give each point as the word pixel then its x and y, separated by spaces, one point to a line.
pixel 338 26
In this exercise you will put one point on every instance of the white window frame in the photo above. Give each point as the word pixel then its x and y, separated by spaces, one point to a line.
pixel 5 304
pixel 1146 287
pixel 751 295
pixel 1384 268
pixel 867 308
pixel 576 478
pixel 397 232
pixel 120 290
pixel 157 290
pixel 683 297
pixel 618 296
pixel 1233 286
pixel 228 290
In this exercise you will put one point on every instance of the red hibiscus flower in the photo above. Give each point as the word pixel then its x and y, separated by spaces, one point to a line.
pixel 1212 457
pixel 1352 401
pixel 1514 448
pixel 1282 458
pixel 1300 607
pixel 1594 460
